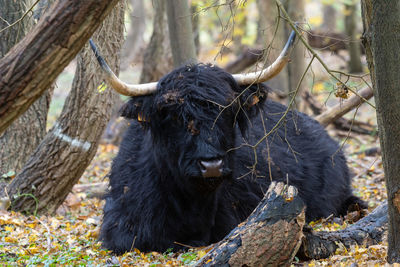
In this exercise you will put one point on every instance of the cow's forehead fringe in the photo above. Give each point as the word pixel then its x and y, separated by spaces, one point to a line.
pixel 196 84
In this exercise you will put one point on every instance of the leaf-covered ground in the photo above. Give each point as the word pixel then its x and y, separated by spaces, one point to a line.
pixel 70 237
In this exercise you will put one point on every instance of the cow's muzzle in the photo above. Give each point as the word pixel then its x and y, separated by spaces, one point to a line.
pixel 211 168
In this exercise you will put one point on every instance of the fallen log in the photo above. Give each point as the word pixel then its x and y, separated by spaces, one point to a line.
pixel 91 190
pixel 341 109
pixel 270 236
pixel 330 41
pixel 325 116
pixel 248 58
pixel 370 230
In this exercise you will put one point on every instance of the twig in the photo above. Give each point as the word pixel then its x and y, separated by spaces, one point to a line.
pixel 48 236
pixel 288 107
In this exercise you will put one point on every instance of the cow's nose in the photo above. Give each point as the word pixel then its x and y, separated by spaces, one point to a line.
pixel 211 168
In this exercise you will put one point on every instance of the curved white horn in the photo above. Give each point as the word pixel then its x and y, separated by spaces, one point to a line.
pixel 271 71
pixel 118 85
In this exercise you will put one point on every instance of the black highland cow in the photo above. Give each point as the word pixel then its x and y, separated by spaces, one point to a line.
pixel 186 174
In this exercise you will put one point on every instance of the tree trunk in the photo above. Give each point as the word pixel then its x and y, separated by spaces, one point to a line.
pixel 329 18
pixel 157 61
pixel 287 80
pixel 271 41
pixel 180 32
pixel 70 145
pixel 35 62
pixel 195 26
pixel 354 64
pixel 239 27
pixel 381 21
pixel 297 67
pixel 24 134
pixel 134 42
pixel 271 235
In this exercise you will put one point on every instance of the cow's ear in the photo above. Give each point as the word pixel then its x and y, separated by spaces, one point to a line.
pixel 138 108
pixel 251 99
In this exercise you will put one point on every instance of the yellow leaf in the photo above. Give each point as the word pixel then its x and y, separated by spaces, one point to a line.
pixel 315 20
pixel 10 239
pixel 372 168
pixel 318 87
pixel 8 228
pixel 101 87
pixel 33 250
pixel 31 225
pixel 201 253
pixel 32 238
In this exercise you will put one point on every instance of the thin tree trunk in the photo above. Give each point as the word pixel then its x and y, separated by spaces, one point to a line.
pixel 24 134
pixel 157 61
pixel 239 27
pixel 195 26
pixel 70 145
pixel 35 62
pixel 381 21
pixel 180 32
pixel 272 41
pixel 297 67
pixel 354 64
pixel 134 42
pixel 329 18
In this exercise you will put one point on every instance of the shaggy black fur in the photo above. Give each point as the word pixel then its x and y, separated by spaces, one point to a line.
pixel 158 198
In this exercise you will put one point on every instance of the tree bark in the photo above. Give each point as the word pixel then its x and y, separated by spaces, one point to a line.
pixel 24 134
pixel 70 145
pixel 35 62
pixel 381 38
pixel 270 236
pixel 354 64
pixel 180 32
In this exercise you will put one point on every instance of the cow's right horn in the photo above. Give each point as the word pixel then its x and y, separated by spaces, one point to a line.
pixel 118 85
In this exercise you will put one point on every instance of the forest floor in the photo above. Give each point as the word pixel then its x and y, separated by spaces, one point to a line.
pixel 70 236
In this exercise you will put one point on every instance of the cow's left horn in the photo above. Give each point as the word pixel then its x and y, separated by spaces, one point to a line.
pixel 272 70
pixel 118 85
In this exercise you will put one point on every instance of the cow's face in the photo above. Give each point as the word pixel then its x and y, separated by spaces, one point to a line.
pixel 192 120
